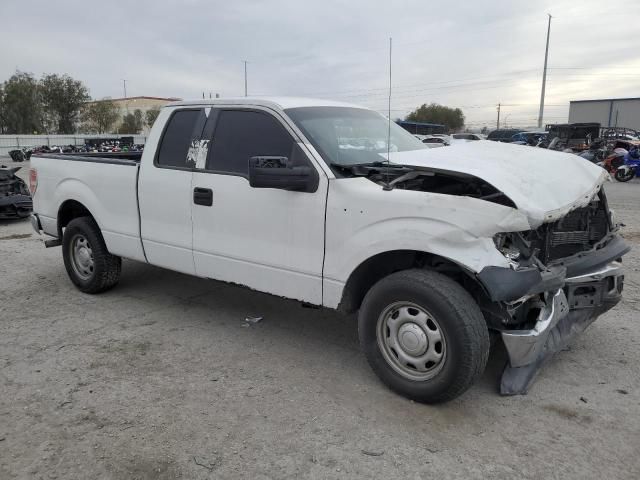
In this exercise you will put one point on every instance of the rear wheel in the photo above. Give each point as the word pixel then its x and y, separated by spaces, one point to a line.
pixel 623 176
pixel 423 335
pixel 89 264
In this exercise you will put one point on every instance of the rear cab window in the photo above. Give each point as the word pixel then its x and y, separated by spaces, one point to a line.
pixel 183 129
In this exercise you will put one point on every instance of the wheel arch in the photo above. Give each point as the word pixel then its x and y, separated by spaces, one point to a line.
pixel 69 210
pixel 378 266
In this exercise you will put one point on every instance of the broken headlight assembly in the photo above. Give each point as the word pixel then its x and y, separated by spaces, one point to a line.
pixel 506 245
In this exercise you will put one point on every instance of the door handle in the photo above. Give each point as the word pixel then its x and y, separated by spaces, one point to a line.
pixel 203 196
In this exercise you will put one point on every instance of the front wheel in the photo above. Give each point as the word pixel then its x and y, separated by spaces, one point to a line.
pixel 423 335
pixel 89 264
pixel 623 176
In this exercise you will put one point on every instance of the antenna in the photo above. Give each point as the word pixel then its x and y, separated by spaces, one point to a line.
pixel 389 106
pixel 387 187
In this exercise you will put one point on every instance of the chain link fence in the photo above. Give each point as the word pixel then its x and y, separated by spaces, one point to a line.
pixel 13 142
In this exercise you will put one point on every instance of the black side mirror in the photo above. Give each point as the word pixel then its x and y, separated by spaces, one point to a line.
pixel 278 172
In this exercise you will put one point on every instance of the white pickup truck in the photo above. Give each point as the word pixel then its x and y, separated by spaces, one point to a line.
pixel 331 204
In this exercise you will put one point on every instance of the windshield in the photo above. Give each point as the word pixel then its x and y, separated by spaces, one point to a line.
pixel 351 136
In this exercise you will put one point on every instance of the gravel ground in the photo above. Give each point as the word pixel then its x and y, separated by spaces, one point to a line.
pixel 159 379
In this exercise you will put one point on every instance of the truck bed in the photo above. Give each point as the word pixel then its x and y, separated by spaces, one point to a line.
pixel 106 186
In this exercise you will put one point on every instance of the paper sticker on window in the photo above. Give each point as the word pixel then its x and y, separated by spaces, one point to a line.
pixel 197 153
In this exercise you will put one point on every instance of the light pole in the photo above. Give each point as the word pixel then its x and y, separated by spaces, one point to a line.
pixel 124 87
pixel 544 74
pixel 245 78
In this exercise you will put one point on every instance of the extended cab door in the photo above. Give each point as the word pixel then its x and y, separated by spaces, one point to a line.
pixel 269 239
pixel 164 190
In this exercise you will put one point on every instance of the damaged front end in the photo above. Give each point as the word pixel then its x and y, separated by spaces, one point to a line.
pixel 15 199
pixel 564 275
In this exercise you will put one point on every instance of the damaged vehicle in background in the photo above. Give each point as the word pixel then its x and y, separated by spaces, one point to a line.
pixel 15 199
pixel 435 141
pixel 435 249
pixel 469 137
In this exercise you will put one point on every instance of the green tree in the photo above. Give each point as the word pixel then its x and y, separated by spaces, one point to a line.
pixel 151 115
pixel 21 105
pixel 132 122
pixel 62 100
pixel 452 118
pixel 99 116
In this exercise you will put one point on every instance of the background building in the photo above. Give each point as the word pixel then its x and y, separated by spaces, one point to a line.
pixel 609 112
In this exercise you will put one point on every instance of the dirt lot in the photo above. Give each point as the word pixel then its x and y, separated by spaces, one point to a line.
pixel 159 378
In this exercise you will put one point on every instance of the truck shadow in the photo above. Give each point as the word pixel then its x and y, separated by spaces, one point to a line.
pixel 289 322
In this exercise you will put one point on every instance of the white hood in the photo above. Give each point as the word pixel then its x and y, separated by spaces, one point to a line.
pixel 544 184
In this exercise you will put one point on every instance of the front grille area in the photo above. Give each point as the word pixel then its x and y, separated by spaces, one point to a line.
pixel 576 232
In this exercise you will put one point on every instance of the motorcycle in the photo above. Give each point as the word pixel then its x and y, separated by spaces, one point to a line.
pixel 631 166
pixel 613 161
pixel 596 152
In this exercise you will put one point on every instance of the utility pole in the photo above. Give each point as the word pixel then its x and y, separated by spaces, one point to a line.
pixel 544 74
pixel 124 87
pixel 498 122
pixel 245 78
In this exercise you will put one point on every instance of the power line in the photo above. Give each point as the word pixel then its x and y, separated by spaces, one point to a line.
pixel 422 84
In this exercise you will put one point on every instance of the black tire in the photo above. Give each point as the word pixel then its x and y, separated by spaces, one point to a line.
pixel 105 270
pixel 621 177
pixel 458 317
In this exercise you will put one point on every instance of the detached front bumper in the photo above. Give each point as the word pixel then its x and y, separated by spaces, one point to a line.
pixel 567 312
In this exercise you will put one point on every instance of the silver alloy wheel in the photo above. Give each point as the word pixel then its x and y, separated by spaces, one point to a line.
pixel 411 341
pixel 81 257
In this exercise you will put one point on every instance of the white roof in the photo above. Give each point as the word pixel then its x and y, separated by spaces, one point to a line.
pixel 273 102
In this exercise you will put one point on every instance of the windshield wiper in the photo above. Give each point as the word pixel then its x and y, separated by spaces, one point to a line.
pixel 376 164
pixel 367 169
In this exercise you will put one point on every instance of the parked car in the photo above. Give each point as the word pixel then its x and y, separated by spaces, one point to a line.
pixel 468 136
pixel 529 138
pixel 434 249
pixel 433 141
pixel 503 135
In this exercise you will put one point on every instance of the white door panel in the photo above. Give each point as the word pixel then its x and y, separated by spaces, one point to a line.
pixel 165 211
pixel 267 239
pixel 165 192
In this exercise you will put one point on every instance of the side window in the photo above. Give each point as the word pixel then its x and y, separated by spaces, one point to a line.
pixel 242 134
pixel 184 127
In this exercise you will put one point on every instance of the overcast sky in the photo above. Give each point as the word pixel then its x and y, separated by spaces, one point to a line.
pixel 464 54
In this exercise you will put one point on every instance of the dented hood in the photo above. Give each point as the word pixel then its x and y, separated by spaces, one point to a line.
pixel 544 184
